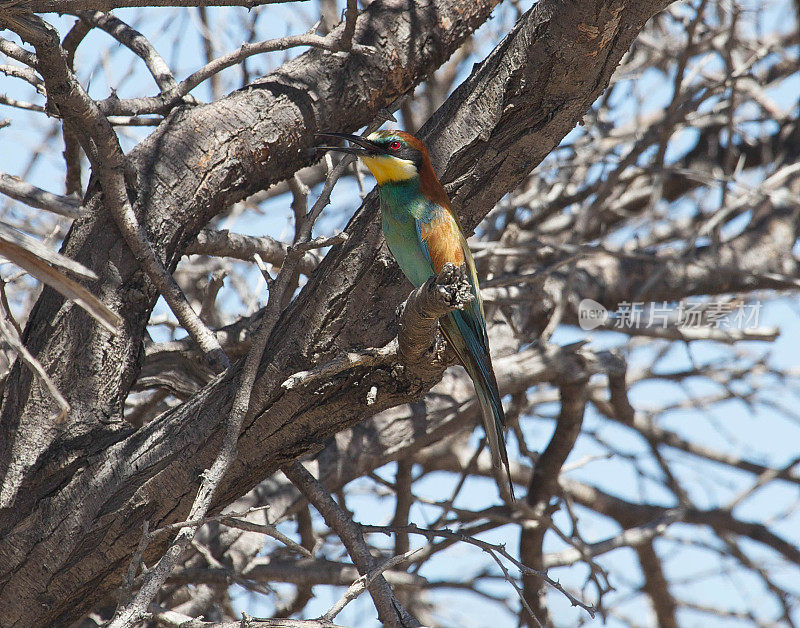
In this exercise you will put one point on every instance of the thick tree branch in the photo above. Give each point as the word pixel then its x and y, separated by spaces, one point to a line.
pixel 656 585
pixel 543 485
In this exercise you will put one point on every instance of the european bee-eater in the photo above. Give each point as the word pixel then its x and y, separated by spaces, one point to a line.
pixel 423 234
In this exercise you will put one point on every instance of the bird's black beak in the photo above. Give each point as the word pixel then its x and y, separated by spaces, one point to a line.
pixel 361 146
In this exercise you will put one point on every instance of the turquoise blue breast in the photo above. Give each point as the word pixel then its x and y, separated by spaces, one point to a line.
pixel 401 207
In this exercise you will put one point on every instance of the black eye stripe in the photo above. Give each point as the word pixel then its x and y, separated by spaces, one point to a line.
pixel 404 151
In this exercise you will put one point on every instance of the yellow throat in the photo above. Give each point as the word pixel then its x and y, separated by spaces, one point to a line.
pixel 386 168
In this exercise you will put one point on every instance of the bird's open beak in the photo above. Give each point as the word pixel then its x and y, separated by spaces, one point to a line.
pixel 361 145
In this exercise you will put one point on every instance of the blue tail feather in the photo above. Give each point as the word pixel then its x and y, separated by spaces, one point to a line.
pixel 473 350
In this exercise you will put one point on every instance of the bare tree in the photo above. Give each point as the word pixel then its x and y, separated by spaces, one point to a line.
pixel 168 441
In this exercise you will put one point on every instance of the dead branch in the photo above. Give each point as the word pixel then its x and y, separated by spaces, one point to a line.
pixel 390 611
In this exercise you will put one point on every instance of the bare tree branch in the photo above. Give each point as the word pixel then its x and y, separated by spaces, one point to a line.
pixel 36 197
pixel 243 247
pixel 136 42
pixel 543 485
pixel 38 260
pixel 390 611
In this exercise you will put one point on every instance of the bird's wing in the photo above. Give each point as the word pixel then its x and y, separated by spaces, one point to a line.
pixel 442 241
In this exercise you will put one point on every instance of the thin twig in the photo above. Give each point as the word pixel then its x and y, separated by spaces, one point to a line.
pixel 267 529
pixel 136 42
pixel 390 611
pixel 486 547
pixel 262 267
pixel 32 196
pixel 168 99
pixel 363 582
pixel 321 242
pixel 204 520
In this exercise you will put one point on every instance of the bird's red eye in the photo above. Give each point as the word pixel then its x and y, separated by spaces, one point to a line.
pixel 394 145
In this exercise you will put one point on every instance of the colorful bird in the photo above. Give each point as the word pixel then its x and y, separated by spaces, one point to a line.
pixel 423 234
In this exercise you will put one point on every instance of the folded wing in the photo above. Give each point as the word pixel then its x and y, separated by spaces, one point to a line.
pixel 442 240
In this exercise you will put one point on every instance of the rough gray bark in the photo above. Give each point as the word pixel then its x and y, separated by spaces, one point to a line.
pixel 77 496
